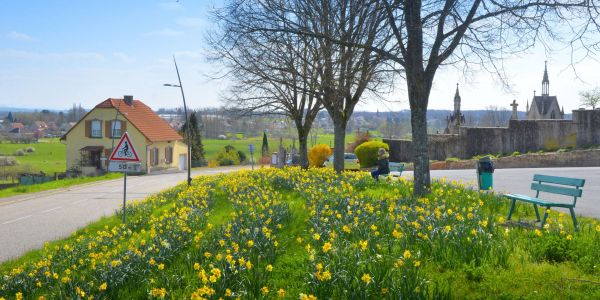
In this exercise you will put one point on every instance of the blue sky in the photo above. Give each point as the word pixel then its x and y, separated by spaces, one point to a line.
pixel 56 53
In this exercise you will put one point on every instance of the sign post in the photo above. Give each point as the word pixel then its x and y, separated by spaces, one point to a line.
pixel 124 159
pixel 251 150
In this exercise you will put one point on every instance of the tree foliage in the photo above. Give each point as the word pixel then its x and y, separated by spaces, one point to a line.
pixel 194 138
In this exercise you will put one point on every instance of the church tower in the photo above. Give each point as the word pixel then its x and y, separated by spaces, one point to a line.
pixel 544 106
pixel 456 119
pixel 456 101
pixel 545 81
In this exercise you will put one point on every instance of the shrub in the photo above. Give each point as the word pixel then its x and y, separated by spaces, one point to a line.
pixel 229 156
pixel 213 164
pixel 20 152
pixel 242 156
pixel 318 154
pixel 7 161
pixel 30 150
pixel 452 159
pixel 367 152
pixel 516 153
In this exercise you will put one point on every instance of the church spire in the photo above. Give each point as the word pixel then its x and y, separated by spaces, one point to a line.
pixel 456 101
pixel 545 81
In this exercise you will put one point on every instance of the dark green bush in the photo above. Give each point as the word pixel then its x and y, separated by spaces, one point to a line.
pixel 367 152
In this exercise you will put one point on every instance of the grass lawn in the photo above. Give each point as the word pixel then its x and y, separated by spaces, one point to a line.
pixel 213 146
pixel 25 189
pixel 49 155
pixel 314 234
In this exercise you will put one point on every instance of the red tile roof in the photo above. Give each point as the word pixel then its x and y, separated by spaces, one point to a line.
pixel 154 128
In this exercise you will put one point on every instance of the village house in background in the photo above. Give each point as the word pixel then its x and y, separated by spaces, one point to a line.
pixel 91 141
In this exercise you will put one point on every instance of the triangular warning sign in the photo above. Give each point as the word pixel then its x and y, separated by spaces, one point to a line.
pixel 124 150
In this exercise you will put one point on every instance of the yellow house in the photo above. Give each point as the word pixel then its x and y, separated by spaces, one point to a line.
pixel 91 140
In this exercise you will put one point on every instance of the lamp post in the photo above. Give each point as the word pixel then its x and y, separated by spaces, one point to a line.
pixel 189 146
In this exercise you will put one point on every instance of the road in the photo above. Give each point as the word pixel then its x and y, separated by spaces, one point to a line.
pixel 519 181
pixel 28 221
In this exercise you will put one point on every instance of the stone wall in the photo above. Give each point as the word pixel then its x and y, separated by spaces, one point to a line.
pixel 588 127
pixel 520 135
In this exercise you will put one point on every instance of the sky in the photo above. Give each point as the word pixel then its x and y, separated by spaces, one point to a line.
pixel 57 53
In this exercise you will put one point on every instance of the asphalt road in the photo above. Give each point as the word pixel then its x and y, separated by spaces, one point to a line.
pixel 518 181
pixel 28 221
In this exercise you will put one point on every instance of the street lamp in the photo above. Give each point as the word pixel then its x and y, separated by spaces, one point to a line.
pixel 189 146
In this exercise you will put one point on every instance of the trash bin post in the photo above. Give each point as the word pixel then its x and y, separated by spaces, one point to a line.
pixel 485 173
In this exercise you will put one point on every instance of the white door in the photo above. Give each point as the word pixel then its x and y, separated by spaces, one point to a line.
pixel 181 162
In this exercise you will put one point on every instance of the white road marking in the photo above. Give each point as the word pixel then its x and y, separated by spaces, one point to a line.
pixel 49 210
pixel 17 219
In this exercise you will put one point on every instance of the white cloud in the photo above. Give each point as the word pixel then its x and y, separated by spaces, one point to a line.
pixel 166 32
pixel 190 22
pixel 19 36
pixel 28 55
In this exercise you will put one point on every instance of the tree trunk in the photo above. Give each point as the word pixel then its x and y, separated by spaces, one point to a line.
pixel 339 145
pixel 303 141
pixel 422 180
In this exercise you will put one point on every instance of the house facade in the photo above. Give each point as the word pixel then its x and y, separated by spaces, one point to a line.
pixel 91 140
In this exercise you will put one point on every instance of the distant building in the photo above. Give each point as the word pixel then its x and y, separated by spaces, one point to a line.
pixel 544 107
pixel 456 119
pixel 91 140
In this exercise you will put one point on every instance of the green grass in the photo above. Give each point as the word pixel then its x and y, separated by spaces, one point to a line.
pixel 213 146
pixel 469 252
pixel 49 155
pixel 25 189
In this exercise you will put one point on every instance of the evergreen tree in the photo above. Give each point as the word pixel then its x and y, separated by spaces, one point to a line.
pixel 265 145
pixel 10 117
pixel 195 138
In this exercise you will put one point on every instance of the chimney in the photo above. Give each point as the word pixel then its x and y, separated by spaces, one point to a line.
pixel 128 99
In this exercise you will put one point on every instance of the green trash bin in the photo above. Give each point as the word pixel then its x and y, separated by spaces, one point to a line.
pixel 485 173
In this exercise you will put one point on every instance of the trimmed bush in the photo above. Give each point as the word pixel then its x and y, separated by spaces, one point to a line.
pixel 367 152
pixel 30 150
pixel 20 152
pixel 242 156
pixel 229 156
pixel 318 154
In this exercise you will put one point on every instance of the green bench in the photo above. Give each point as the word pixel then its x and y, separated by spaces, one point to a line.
pixel 553 185
pixel 395 171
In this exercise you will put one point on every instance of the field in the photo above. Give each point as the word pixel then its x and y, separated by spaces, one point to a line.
pixel 313 235
pixel 213 146
pixel 49 155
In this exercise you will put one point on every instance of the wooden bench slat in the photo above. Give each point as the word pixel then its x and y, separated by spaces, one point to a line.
pixel 559 180
pixel 556 189
pixel 537 201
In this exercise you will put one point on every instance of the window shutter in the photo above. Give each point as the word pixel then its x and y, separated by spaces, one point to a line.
pixel 123 127
pixel 88 128
pixel 166 154
pixel 152 157
pixel 108 128
pixel 155 156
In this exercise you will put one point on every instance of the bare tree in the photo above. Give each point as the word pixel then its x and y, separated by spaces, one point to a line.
pixel 590 98
pixel 345 71
pixel 495 116
pixel 432 34
pixel 273 72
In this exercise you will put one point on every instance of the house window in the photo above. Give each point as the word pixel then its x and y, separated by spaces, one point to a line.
pixel 96 128
pixel 116 129
pixel 168 155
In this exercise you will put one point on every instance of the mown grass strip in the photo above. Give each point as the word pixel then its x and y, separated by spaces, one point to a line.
pixel 52 185
pixel 289 269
